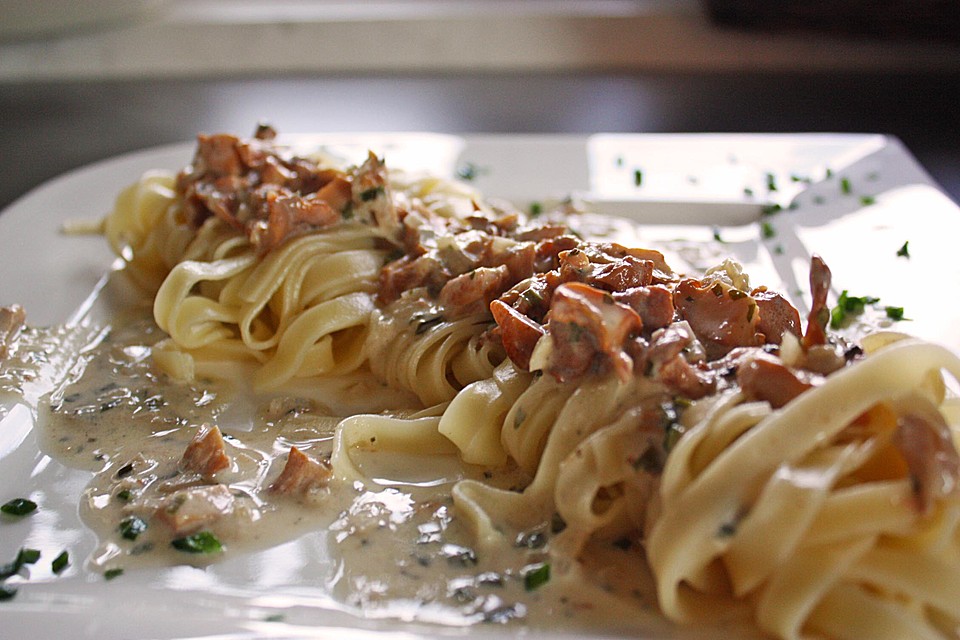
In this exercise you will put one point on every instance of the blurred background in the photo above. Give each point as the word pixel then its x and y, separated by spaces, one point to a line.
pixel 82 81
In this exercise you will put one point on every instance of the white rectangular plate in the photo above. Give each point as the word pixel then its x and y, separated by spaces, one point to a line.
pixel 854 199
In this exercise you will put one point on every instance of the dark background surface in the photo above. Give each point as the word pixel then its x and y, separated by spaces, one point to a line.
pixel 49 128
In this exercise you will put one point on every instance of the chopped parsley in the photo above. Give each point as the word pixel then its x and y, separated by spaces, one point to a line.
pixel 848 305
pixel 904 251
pixel 767 230
pixel 19 507
pixel 536 575
pixel 894 313
pixel 202 542
pixel 536 208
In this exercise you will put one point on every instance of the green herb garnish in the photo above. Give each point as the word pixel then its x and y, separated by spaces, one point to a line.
pixel 110 574
pixel 469 171
pixel 771 182
pixel 425 324
pixel 845 186
pixel 849 305
pixel 536 208
pixel 519 417
pixel 894 313
pixel 24 556
pixel 27 556
pixel 867 200
pixel 371 193
pixel 202 542
pixel 536 575
pixel 19 507
pixel 767 230
pixel 637 177
pixel 60 562
pixel 132 527
pixel 904 251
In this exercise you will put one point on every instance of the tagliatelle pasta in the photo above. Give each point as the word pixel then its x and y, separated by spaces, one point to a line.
pixel 757 469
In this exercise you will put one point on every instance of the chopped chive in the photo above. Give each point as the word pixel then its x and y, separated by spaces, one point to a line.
pixel 202 542
pixel 637 177
pixel 371 193
pixel 110 574
pixel 771 209
pixel 19 507
pixel 771 182
pixel 767 229
pixel 60 562
pixel 747 191
pixel 535 576
pixel 519 417
pixel 536 208
pixel 867 200
pixel 24 556
pixel 27 556
pixel 132 527
pixel 845 186
pixel 716 234
pixel 426 324
pixel 904 251
pixel 469 171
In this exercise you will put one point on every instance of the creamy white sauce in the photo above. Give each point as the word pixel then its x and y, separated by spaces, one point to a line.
pixel 398 549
